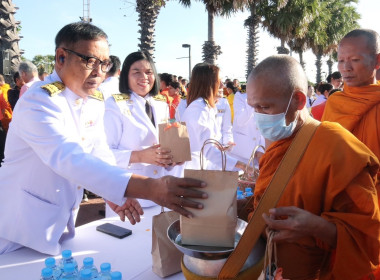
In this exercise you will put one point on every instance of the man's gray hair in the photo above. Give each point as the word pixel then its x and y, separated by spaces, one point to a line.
pixel 27 67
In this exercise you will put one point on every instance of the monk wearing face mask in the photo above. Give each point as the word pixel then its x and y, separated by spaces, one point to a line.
pixel 357 107
pixel 326 223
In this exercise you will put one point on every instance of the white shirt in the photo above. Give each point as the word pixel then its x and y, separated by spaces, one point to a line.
pixel 202 125
pixel 319 100
pixel 109 86
pixel 52 153
pixel 245 132
pixel 128 128
pixel 223 118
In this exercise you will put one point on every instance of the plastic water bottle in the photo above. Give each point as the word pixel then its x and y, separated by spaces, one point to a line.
pixel 69 272
pixel 50 263
pixel 239 194
pixel 67 258
pixel 47 274
pixel 88 263
pixel 116 275
pixel 86 274
pixel 105 271
pixel 248 192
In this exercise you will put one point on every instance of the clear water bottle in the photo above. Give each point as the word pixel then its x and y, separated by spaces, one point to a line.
pixel 47 274
pixel 50 263
pixel 88 263
pixel 116 275
pixel 248 192
pixel 239 194
pixel 69 272
pixel 105 271
pixel 67 258
pixel 86 274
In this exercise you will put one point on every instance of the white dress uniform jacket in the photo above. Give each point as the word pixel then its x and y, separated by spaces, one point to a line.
pixel 245 132
pixel 223 118
pixel 109 86
pixel 128 128
pixel 53 151
pixel 201 124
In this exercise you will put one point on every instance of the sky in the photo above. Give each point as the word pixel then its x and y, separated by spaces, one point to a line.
pixel 176 25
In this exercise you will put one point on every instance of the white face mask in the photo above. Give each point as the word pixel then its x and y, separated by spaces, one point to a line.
pixel 273 127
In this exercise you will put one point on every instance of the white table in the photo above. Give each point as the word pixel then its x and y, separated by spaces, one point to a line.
pixel 131 255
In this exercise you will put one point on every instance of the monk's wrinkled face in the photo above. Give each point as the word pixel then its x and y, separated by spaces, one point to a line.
pixel 266 98
pixel 356 62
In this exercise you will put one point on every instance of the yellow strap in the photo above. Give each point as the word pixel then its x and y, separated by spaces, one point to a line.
pixel 280 179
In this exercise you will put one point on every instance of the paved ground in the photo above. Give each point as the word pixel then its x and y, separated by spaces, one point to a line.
pixel 91 210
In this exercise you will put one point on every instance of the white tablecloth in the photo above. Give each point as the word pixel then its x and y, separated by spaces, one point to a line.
pixel 131 255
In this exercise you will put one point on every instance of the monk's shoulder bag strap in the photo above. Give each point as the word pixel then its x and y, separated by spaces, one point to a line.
pixel 271 196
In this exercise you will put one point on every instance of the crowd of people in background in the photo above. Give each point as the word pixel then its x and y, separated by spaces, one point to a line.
pixel 94 122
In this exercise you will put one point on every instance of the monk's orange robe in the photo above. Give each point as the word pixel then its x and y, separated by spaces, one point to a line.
pixel 358 110
pixel 173 104
pixel 335 179
pixel 7 118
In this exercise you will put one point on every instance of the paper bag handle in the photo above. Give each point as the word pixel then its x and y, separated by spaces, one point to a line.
pixel 272 194
pixel 222 152
pixel 252 158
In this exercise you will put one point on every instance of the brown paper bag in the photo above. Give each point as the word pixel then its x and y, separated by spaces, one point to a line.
pixel 215 224
pixel 174 136
pixel 166 258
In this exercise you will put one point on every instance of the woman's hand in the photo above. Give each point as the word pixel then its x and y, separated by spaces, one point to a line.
pixel 153 155
pixel 131 209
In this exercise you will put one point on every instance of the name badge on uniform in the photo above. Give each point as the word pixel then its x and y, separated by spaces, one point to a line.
pixel 127 112
pixel 221 111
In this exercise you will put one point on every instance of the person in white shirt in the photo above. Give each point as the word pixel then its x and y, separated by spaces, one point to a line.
pixel 111 83
pixel 246 135
pixel 200 118
pixel 57 146
pixel 29 74
pixel 131 133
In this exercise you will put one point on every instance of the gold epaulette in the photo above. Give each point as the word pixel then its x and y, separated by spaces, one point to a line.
pixel 159 97
pixel 97 95
pixel 54 88
pixel 121 97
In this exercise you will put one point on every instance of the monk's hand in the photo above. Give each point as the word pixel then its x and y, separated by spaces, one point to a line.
pixel 176 193
pixel 289 223
pixel 130 209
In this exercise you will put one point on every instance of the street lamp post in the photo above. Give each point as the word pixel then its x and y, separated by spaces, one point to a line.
pixel 188 46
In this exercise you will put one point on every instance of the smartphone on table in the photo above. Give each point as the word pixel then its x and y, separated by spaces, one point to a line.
pixel 114 230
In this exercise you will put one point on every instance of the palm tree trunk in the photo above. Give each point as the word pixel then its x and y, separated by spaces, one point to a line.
pixel 148 11
pixel 210 49
pixel 253 39
pixel 318 63
pixel 10 54
pixel 330 63
pixel 282 49
pixel 302 62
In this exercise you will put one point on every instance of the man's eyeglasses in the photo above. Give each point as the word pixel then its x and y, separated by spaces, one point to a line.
pixel 93 62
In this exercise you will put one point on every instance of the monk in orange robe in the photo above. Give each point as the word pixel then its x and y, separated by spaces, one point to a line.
pixel 7 116
pixel 327 221
pixel 175 97
pixel 357 108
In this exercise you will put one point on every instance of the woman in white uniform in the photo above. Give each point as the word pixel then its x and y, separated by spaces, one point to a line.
pixel 201 119
pixel 132 117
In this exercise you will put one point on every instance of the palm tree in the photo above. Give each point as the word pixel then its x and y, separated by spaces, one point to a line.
pixel 148 11
pixel 10 54
pixel 214 8
pixel 339 18
pixel 289 21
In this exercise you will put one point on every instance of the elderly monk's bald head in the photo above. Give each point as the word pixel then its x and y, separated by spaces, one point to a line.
pixel 282 72
pixel 359 57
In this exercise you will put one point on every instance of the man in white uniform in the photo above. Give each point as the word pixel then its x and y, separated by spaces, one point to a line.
pixel 29 74
pixel 57 147
pixel 111 84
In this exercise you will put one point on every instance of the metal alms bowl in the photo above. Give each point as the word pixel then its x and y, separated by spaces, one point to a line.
pixel 207 260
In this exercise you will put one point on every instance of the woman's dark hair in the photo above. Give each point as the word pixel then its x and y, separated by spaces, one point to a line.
pixel 334 90
pixel 322 87
pixel 230 85
pixel 77 31
pixel 204 83
pixel 177 85
pixel 129 60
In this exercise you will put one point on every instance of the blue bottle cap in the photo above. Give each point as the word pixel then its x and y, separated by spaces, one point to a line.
pixel 86 274
pixel 105 267
pixel 66 254
pixel 116 275
pixel 88 261
pixel 69 267
pixel 50 262
pixel 248 189
pixel 47 272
